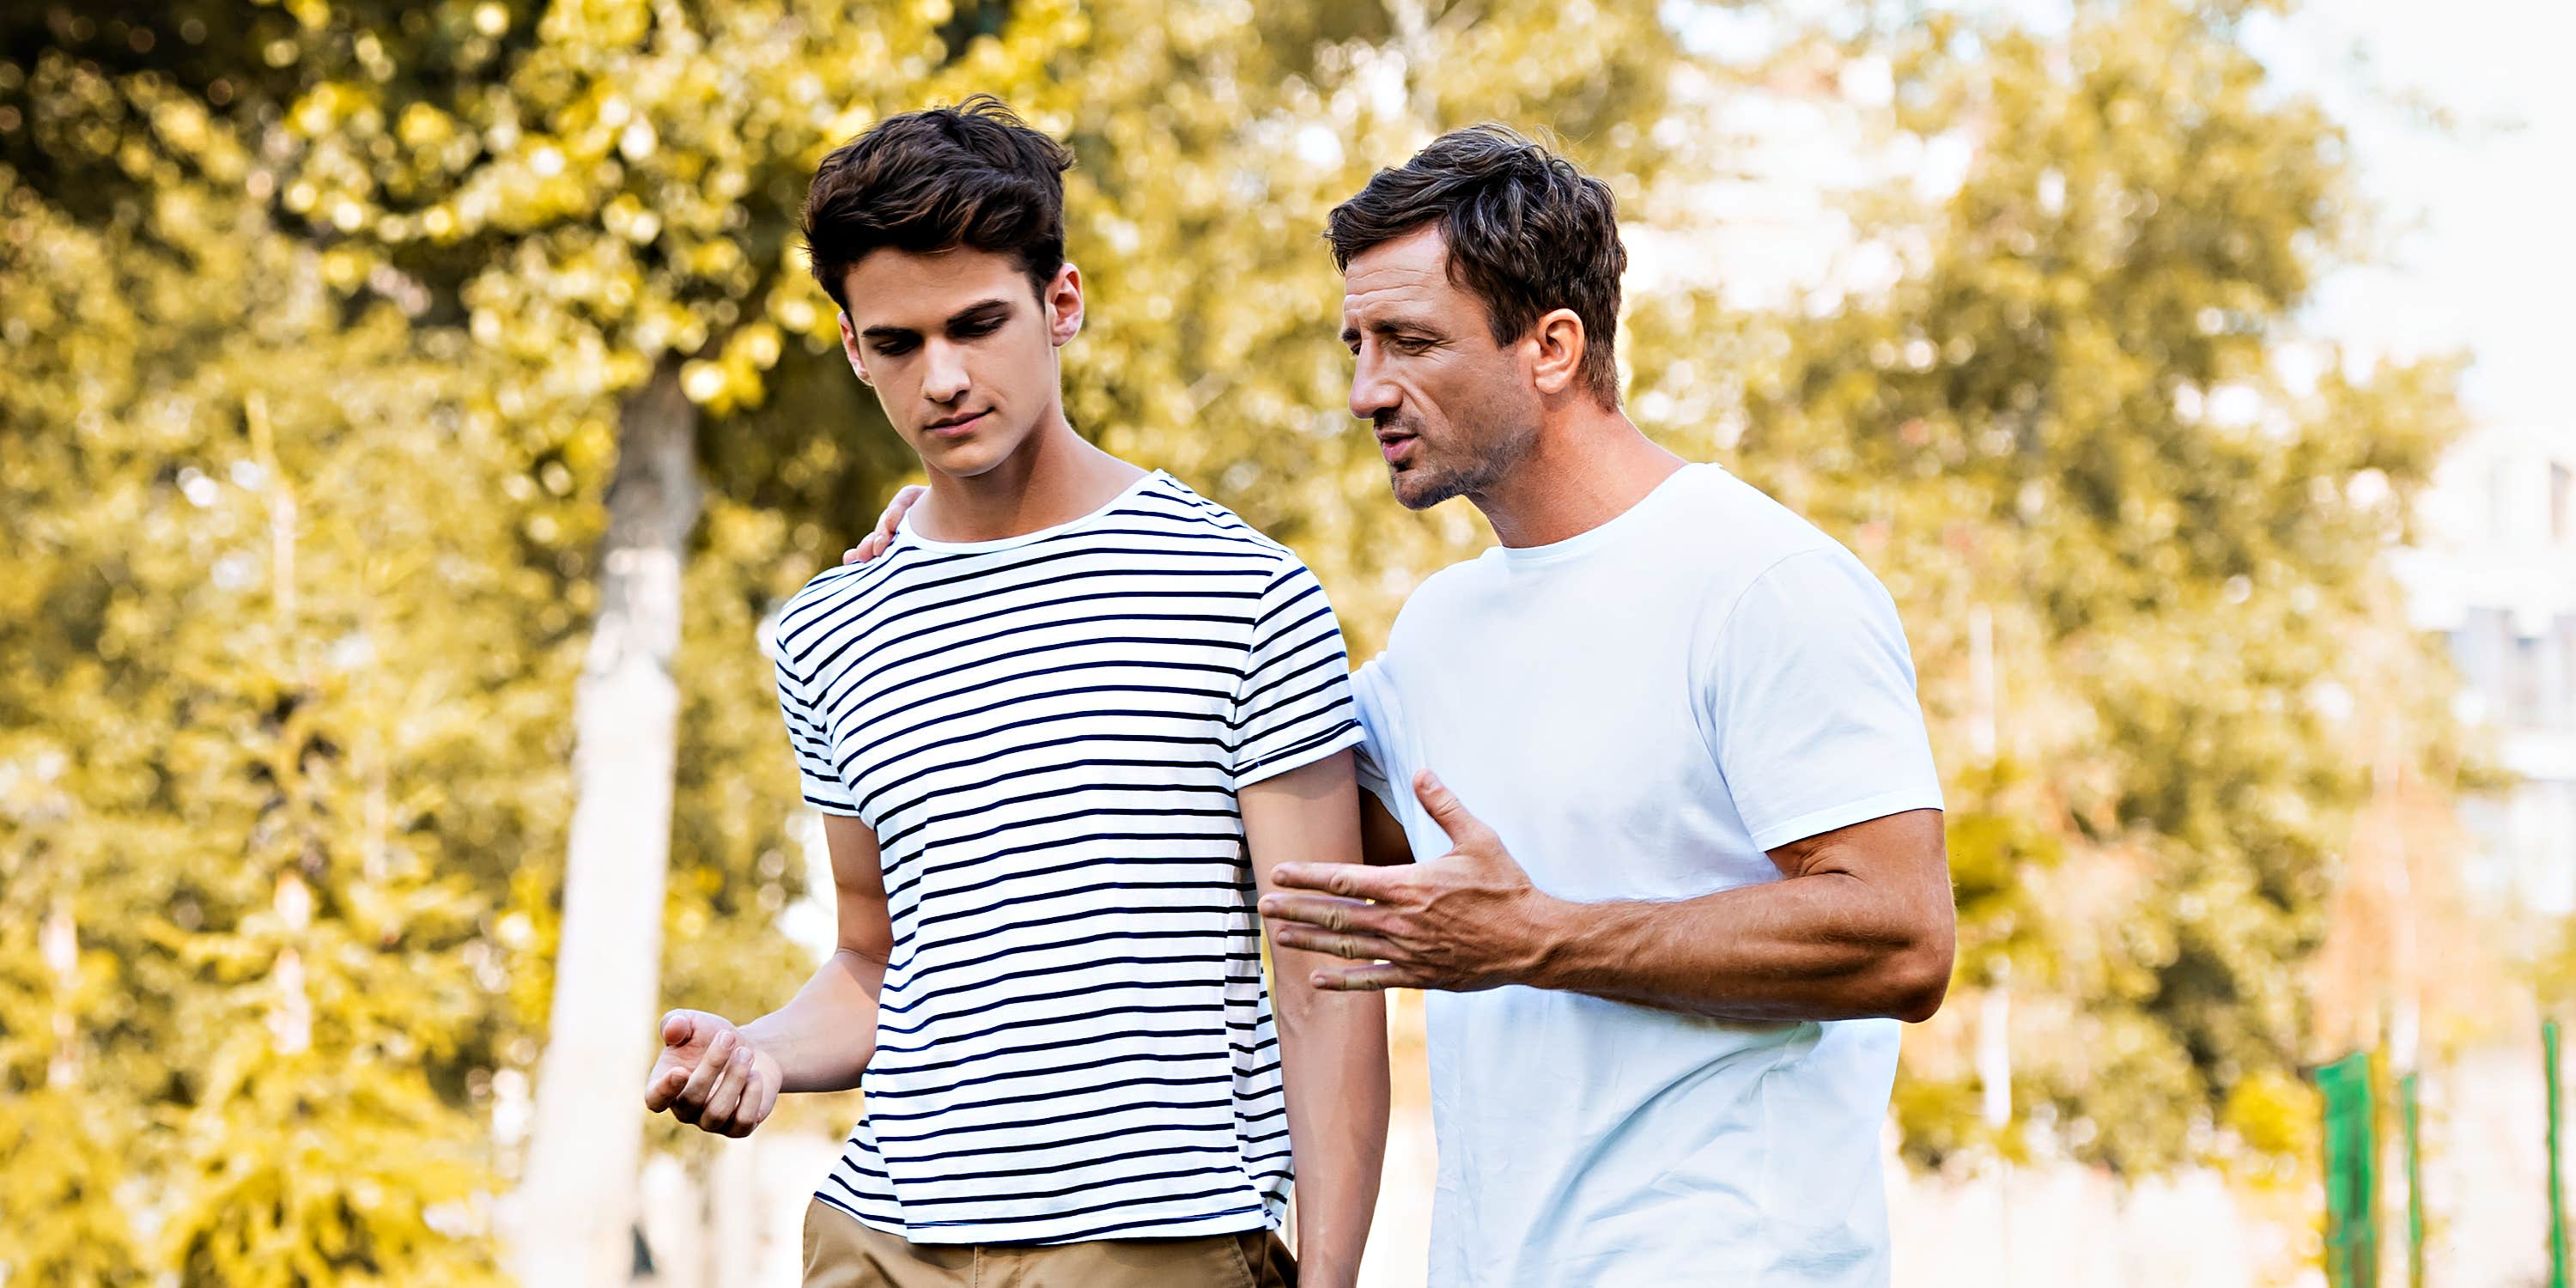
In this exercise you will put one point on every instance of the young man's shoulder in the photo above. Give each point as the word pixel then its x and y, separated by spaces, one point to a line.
pixel 1185 515
pixel 817 605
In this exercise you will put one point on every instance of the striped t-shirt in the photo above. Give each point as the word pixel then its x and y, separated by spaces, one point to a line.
pixel 1046 734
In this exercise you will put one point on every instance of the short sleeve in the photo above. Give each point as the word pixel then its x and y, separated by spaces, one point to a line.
pixel 1294 704
pixel 812 741
pixel 1379 736
pixel 1809 703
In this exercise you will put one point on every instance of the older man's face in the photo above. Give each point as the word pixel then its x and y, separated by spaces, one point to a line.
pixel 1454 411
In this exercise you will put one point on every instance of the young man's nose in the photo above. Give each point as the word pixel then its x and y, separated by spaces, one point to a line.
pixel 944 380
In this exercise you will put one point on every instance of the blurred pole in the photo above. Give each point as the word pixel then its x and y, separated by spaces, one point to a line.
pixel 1981 683
pixel 1994 1049
pixel 59 941
pixel 1994 1020
pixel 1994 1076
pixel 2406 1106
pixel 2406 1019
pixel 2352 1190
pixel 2557 1193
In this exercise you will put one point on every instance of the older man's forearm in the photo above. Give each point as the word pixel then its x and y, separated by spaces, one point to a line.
pixel 1801 948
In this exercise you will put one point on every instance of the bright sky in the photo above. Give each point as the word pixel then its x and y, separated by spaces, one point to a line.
pixel 2479 222
pixel 2477 233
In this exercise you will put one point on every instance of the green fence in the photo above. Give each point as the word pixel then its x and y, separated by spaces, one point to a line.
pixel 2349 1087
pixel 2352 1173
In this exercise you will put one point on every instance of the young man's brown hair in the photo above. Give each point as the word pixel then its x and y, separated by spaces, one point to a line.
pixel 974 176
pixel 1526 233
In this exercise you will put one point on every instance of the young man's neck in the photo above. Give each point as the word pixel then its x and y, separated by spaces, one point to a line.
pixel 1055 476
pixel 1586 469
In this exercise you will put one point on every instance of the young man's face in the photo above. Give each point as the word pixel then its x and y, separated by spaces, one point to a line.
pixel 1454 410
pixel 959 349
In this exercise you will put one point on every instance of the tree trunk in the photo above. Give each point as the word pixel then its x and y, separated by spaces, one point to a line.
pixel 576 1204
pixel 734 1248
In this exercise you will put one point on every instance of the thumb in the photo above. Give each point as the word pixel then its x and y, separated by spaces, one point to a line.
pixel 1449 812
pixel 679 1028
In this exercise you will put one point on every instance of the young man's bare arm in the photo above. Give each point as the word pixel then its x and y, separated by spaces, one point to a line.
pixel 726 1080
pixel 1383 843
pixel 1332 1046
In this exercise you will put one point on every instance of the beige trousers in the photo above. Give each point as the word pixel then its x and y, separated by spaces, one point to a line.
pixel 842 1253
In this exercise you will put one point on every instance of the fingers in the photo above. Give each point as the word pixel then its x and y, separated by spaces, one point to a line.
pixel 904 499
pixel 1327 911
pixel 881 538
pixel 1350 880
pixel 756 1107
pixel 724 1102
pixel 1374 978
pixel 1359 947
pixel 664 1086
pixel 1448 811
pixel 691 1102
pixel 681 1031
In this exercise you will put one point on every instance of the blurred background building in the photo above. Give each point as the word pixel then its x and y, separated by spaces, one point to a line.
pixel 2494 573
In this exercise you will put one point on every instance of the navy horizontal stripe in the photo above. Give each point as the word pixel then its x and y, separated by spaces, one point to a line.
pixel 1217 790
pixel 1126 1011
pixel 904 960
pixel 1085 1114
pixel 932 773
pixel 1084 989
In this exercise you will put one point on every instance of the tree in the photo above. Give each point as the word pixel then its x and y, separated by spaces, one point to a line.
pixel 278 708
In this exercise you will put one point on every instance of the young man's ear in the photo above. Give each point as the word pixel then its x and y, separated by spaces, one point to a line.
pixel 1559 358
pixel 1062 302
pixel 850 346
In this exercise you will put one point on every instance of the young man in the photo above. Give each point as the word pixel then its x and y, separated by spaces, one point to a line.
pixel 1043 732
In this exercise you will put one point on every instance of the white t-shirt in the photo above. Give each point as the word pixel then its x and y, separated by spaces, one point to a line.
pixel 1640 712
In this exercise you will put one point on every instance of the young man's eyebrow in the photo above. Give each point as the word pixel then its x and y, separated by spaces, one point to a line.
pixel 980 311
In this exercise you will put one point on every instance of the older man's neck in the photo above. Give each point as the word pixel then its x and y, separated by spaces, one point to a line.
pixel 1586 469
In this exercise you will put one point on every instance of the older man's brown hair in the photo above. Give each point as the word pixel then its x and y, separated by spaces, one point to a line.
pixel 1527 233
